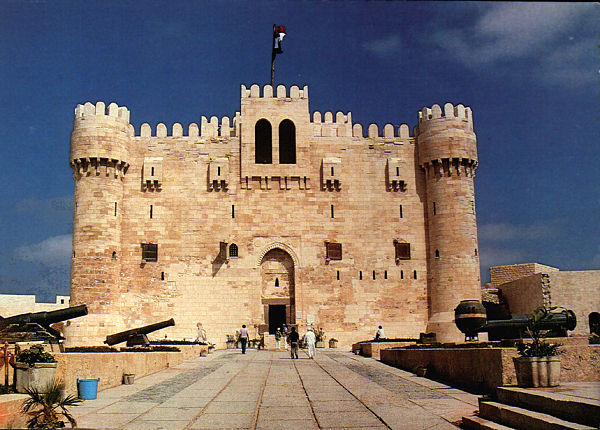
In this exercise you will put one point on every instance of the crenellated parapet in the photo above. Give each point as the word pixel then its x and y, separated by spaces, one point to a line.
pixel 268 93
pixel 446 141
pixel 100 140
pixel 89 111
pixel 208 128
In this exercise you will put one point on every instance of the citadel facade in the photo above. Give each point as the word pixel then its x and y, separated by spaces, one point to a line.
pixel 273 216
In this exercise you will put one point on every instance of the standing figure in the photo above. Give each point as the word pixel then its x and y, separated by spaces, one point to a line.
pixel 244 337
pixel 380 333
pixel 201 333
pixel 284 335
pixel 294 338
pixel 310 340
pixel 278 338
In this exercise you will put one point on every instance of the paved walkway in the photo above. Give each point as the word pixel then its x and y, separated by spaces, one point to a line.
pixel 268 390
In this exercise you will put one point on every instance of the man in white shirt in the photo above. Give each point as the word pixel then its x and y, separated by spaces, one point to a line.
pixel 310 340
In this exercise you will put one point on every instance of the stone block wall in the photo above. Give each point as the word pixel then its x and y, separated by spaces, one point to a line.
pixel 503 274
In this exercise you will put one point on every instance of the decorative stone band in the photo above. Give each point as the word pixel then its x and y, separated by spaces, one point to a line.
pixel 99 167
pixel 450 167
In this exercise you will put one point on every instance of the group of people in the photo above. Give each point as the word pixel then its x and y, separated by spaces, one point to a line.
pixel 309 339
pixel 292 337
pixel 286 335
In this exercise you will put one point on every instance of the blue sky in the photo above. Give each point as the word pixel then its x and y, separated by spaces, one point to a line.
pixel 529 71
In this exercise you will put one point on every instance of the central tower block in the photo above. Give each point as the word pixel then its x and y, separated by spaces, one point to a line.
pixel 447 152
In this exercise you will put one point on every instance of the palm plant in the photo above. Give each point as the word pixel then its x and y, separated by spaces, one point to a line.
pixel 46 408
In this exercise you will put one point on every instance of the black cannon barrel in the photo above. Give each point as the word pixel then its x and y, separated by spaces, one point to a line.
pixel 46 318
pixel 113 339
pixel 517 325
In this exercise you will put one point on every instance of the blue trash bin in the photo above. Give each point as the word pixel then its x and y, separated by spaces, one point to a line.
pixel 88 388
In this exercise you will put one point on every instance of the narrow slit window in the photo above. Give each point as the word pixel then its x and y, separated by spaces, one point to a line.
pixel 218 170
pixel 151 211
pixel 232 211
pixel 277 282
pixel 434 208
pixel 162 276
pixel 332 212
pixel 402 274
pixel 152 171
pixel 360 275
pixel 373 275
pixel 332 174
pixel 397 171
pixel 401 214
pixel 437 253
pixel 415 274
pixel 115 208
pixel 385 274
pixel 338 275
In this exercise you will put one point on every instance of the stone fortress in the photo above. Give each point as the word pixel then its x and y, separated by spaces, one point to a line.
pixel 273 216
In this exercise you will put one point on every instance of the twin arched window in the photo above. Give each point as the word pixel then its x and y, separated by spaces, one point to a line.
pixel 263 150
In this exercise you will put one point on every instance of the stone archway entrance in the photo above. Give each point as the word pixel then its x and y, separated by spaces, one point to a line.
pixel 278 290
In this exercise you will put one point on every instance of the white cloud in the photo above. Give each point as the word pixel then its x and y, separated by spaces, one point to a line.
pixel 558 40
pixel 503 232
pixel 53 252
pixel 385 46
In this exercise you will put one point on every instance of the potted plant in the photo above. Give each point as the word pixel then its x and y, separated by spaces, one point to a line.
pixel 538 364
pixel 231 341
pixel 45 409
pixel 333 342
pixel 34 369
pixel 320 337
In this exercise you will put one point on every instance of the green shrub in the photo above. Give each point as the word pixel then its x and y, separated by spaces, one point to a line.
pixel 35 354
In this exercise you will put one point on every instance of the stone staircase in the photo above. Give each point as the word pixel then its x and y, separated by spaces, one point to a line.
pixel 530 408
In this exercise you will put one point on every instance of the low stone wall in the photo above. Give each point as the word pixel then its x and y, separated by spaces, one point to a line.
pixel 10 411
pixel 372 349
pixel 110 366
pixel 484 369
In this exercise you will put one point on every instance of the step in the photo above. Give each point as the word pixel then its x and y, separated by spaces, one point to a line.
pixel 478 423
pixel 571 408
pixel 520 418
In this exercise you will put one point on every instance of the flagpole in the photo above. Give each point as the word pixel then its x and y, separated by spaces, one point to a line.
pixel 273 56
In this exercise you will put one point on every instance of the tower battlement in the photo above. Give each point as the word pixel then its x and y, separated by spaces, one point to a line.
pixel 88 110
pixel 450 111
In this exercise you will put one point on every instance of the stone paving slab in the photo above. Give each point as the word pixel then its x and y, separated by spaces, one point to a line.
pixel 268 390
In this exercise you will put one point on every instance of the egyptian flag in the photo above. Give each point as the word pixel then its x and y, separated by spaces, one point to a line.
pixel 278 35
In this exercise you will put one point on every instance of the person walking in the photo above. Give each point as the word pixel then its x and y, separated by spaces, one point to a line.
pixel 278 338
pixel 244 337
pixel 294 338
pixel 284 335
pixel 310 340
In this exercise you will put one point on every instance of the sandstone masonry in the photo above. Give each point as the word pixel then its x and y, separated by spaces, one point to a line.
pixel 273 216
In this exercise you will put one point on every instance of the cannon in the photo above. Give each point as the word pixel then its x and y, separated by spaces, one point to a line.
pixel 137 336
pixel 470 319
pixel 34 326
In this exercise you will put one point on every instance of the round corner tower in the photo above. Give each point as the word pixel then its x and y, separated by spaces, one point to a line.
pixel 447 151
pixel 99 159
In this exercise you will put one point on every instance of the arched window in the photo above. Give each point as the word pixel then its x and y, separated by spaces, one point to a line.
pixel 287 142
pixel 263 147
pixel 233 250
